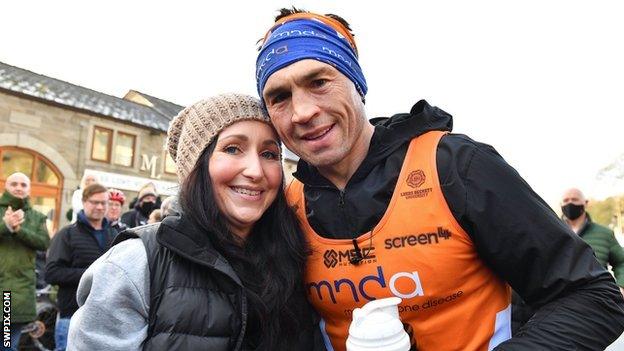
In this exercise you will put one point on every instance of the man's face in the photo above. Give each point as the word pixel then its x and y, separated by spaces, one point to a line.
pixel 114 210
pixel 18 185
pixel 148 198
pixel 95 206
pixel 317 112
pixel 573 196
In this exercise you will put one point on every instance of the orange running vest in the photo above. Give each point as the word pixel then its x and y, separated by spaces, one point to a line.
pixel 418 252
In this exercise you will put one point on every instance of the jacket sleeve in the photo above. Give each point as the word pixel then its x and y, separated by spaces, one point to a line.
pixel 59 270
pixel 616 259
pixel 113 296
pixel 578 305
pixel 36 236
pixel 3 228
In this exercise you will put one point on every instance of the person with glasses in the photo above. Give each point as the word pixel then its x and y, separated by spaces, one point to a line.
pixel 73 249
pixel 116 199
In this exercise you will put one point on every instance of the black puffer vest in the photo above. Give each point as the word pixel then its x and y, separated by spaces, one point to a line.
pixel 196 298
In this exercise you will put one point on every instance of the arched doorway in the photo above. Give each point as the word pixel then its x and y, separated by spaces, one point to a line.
pixel 46 181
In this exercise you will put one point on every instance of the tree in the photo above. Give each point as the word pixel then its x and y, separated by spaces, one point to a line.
pixel 604 212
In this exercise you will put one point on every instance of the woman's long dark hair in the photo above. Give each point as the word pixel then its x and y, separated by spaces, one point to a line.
pixel 269 263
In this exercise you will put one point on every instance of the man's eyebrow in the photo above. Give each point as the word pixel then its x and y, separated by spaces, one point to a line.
pixel 315 73
pixel 279 89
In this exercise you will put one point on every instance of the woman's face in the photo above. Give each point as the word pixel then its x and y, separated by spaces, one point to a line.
pixel 246 173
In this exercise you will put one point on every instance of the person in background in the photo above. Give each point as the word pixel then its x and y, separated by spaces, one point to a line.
pixel 169 206
pixel 151 185
pixel 601 239
pixel 401 206
pixel 145 204
pixel 73 249
pixel 155 217
pixel 116 199
pixel 234 257
pixel 23 232
pixel 87 180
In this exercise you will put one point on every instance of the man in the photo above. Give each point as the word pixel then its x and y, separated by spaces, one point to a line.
pixel 601 239
pixel 116 199
pixel 73 249
pixel 404 208
pixel 145 204
pixel 23 231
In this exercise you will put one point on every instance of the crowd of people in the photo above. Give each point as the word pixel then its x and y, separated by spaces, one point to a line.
pixel 98 220
pixel 396 206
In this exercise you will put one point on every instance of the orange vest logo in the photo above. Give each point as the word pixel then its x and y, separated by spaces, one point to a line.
pixel 416 178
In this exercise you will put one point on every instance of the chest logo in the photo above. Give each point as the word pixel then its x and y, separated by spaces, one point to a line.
pixel 333 258
pixel 416 178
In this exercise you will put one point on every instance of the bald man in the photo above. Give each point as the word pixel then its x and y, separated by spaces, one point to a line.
pixel 601 239
pixel 22 232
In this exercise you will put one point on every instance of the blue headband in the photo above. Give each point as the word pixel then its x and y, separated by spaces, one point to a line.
pixel 307 39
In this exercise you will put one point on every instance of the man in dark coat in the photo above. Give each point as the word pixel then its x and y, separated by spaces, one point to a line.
pixel 145 204
pixel 73 249
pixel 23 231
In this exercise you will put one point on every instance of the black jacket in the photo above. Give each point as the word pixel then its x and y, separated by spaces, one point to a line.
pixel 133 218
pixel 514 231
pixel 196 298
pixel 72 250
pixel 187 276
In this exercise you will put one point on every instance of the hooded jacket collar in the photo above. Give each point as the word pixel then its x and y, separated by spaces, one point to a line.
pixel 15 202
pixel 390 134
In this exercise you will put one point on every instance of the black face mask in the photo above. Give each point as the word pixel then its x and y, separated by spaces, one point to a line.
pixel 572 211
pixel 146 208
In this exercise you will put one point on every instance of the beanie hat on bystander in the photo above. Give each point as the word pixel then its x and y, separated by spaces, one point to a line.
pixel 195 127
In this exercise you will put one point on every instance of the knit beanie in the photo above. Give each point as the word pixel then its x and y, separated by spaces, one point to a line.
pixel 146 191
pixel 195 127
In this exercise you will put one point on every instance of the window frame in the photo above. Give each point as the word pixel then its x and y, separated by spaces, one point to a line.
pixel 109 145
pixel 166 153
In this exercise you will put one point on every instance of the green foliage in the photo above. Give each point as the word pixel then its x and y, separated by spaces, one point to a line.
pixel 603 212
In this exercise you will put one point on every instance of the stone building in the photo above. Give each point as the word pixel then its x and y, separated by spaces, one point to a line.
pixel 56 132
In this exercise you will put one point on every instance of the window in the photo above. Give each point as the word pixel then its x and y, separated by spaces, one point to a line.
pixel 124 149
pixel 16 161
pixel 170 167
pixel 101 147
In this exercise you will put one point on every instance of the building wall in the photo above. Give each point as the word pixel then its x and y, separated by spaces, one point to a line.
pixel 64 137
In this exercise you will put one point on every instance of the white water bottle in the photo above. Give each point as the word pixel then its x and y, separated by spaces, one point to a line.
pixel 377 326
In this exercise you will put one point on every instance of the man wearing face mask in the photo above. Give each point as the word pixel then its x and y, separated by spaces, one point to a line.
pixel 601 239
pixel 146 203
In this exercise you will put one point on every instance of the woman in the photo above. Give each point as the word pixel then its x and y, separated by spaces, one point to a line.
pixel 226 273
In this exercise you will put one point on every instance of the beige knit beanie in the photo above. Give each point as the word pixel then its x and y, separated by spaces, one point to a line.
pixel 196 126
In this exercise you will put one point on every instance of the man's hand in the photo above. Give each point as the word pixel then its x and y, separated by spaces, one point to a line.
pixel 13 219
pixel 622 290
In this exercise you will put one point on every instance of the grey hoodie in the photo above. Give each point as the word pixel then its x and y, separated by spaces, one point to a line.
pixel 113 296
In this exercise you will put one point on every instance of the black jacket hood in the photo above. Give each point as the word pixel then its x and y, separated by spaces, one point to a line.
pixel 390 134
